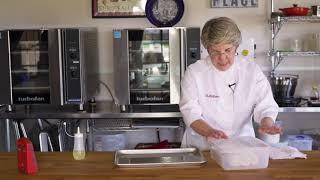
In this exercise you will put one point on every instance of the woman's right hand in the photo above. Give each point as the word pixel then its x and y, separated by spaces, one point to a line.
pixel 217 134
pixel 202 128
pixel 268 126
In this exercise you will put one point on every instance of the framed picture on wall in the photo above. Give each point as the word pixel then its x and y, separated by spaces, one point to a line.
pixel 118 8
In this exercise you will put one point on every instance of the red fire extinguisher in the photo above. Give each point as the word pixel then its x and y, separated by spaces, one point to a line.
pixel 27 162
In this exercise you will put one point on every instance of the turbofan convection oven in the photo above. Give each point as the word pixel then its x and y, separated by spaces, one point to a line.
pixel 45 66
pixel 149 63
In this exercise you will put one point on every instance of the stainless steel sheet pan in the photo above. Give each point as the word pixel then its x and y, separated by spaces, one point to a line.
pixel 158 157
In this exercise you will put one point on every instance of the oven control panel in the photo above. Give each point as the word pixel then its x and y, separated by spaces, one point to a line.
pixel 73 66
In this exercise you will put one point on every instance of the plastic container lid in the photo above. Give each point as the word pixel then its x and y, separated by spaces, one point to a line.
pixel 299 138
pixel 235 145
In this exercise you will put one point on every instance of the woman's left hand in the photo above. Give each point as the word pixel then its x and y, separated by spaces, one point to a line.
pixel 267 126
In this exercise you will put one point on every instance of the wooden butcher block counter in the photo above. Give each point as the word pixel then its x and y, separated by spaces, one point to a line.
pixel 99 165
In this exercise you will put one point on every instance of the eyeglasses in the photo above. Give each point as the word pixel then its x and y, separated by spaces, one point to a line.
pixel 228 52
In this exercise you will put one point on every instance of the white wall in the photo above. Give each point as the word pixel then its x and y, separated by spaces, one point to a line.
pixel 57 13
pixel 252 21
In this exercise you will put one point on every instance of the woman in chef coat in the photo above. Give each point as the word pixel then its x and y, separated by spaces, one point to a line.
pixel 222 93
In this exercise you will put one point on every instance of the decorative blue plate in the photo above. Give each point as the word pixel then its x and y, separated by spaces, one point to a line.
pixel 164 13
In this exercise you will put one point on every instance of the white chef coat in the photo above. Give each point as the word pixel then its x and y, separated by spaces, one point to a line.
pixel 206 95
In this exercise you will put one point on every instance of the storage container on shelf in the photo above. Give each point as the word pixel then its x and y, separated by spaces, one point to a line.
pixel 109 140
pixel 301 142
pixel 240 153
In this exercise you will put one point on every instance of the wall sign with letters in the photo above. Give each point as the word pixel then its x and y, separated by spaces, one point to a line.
pixel 234 3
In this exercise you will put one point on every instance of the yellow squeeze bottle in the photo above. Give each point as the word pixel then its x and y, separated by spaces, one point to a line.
pixel 79 152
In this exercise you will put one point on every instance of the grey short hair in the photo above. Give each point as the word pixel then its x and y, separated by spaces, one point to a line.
pixel 220 30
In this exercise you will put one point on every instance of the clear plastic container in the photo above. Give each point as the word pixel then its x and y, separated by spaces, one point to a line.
pixel 301 142
pixel 240 153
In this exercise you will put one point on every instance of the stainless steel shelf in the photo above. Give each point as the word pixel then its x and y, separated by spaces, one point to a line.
pixel 294 19
pixel 111 115
pixel 278 21
pixel 103 111
pixel 299 109
pixel 276 24
pixel 297 53
pixel 277 56
pixel 135 124
pixel 86 115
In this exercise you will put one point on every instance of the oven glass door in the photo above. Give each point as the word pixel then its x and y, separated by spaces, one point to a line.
pixel 29 66
pixel 149 66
